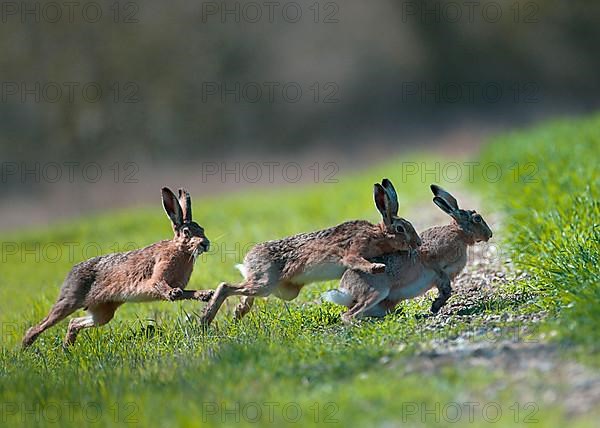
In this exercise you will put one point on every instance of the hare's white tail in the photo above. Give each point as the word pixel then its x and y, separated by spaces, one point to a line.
pixel 242 270
pixel 338 297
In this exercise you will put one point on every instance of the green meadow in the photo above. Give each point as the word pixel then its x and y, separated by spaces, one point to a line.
pixel 295 363
pixel 552 221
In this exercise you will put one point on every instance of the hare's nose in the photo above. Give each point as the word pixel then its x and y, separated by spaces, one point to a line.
pixel 205 243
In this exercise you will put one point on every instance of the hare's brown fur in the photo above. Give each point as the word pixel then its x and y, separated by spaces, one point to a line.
pixel 157 272
pixel 352 240
pixel 440 258
pixel 282 267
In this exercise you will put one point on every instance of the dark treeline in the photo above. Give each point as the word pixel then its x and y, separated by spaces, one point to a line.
pixel 183 79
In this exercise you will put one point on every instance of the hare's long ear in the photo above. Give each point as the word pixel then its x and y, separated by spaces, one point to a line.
pixel 444 200
pixel 392 196
pixel 381 202
pixel 185 200
pixel 172 207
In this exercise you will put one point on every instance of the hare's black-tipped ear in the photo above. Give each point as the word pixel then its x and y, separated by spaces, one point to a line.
pixel 443 205
pixel 392 196
pixel 172 207
pixel 381 202
pixel 185 200
pixel 444 200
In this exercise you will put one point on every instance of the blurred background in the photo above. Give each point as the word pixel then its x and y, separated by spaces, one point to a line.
pixel 102 103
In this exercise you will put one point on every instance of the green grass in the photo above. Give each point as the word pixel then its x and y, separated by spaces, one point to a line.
pixel 152 365
pixel 552 224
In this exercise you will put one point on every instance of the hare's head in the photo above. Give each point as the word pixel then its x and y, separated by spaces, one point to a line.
pixel 405 236
pixel 472 224
pixel 189 234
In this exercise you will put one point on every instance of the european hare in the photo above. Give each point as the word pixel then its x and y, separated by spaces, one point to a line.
pixel 282 267
pixel 441 257
pixel 157 272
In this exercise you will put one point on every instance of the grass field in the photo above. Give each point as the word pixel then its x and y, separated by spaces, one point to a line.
pixel 296 364
pixel 552 206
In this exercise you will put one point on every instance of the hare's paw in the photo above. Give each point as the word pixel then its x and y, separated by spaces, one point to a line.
pixel 377 268
pixel 204 295
pixel 436 306
pixel 350 320
pixel 175 294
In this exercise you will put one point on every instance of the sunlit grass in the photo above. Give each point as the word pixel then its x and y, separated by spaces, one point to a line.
pixel 153 364
pixel 553 220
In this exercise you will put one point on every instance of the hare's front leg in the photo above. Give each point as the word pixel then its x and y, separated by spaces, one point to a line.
pixel 166 292
pixel 444 291
pixel 356 262
pixel 201 295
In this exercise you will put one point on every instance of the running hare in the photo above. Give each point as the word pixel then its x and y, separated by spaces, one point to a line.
pixel 441 257
pixel 157 272
pixel 284 266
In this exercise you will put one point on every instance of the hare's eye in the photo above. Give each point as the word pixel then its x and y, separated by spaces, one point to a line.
pixel 477 218
pixel 399 228
pixel 187 233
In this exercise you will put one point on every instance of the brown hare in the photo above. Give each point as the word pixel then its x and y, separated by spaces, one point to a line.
pixel 282 267
pixel 157 272
pixel 441 257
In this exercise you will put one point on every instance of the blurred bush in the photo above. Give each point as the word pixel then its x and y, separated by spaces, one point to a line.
pixel 157 64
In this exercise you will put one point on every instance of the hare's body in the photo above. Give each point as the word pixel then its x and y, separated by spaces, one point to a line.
pixel 440 258
pixel 129 277
pixel 282 267
pixel 315 256
pixel 157 272
pixel 445 247
pixel 320 255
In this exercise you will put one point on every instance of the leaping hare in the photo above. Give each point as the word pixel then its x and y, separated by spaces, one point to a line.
pixel 157 272
pixel 441 257
pixel 284 266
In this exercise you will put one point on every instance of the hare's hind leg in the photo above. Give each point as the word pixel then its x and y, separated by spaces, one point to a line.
pixel 224 290
pixel 377 311
pixel 248 288
pixel 260 282
pixel 285 291
pixel 365 304
pixel 98 315
pixel 59 312
pixel 243 307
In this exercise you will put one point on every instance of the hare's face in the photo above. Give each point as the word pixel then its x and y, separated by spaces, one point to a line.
pixel 406 235
pixel 386 201
pixel 191 236
pixel 474 225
